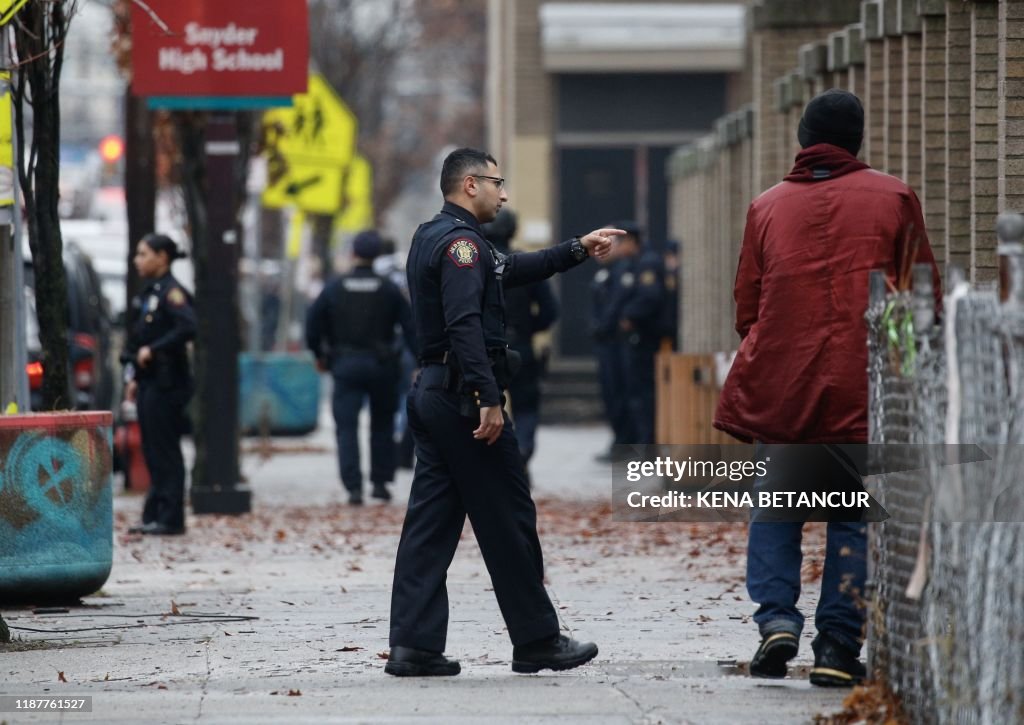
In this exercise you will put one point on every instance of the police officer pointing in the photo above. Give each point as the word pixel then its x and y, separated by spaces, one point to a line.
pixel 468 462
pixel 351 330
pixel 157 378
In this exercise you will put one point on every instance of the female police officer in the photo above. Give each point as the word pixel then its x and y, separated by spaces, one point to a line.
pixel 157 377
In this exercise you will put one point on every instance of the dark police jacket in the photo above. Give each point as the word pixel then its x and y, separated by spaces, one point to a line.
pixel 357 313
pixel 456 282
pixel 165 322
pixel 636 292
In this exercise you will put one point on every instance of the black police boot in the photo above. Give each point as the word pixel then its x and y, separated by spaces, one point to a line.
pixel 381 492
pixel 139 528
pixel 409 662
pixel 771 657
pixel 355 498
pixel 834 664
pixel 552 653
pixel 157 529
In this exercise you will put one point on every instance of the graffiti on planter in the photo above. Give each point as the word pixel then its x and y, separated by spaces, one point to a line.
pixel 52 475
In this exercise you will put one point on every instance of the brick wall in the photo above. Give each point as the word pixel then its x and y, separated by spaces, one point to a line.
pixel 984 141
pixel 942 83
pixel 933 130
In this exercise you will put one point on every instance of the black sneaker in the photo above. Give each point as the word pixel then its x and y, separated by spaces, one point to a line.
pixel 409 662
pixel 834 664
pixel 552 653
pixel 771 657
pixel 381 492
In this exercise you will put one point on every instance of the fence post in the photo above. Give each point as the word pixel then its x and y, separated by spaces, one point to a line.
pixel 923 304
pixel 876 286
pixel 1010 229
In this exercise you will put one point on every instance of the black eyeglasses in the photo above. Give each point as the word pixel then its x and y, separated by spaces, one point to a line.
pixel 498 181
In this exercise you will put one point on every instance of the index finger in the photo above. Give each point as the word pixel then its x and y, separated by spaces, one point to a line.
pixel 609 232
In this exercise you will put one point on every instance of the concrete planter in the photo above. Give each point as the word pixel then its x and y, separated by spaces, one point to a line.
pixel 56 506
pixel 278 393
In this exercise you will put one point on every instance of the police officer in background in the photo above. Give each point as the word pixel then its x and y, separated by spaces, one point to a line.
pixel 606 301
pixel 639 303
pixel 158 380
pixel 529 309
pixel 468 460
pixel 351 330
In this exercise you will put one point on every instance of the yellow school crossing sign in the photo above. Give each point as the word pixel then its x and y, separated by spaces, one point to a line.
pixel 8 8
pixel 316 138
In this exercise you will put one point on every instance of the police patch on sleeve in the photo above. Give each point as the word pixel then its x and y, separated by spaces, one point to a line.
pixel 176 297
pixel 463 252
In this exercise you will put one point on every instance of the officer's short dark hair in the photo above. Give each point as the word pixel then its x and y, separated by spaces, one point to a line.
pixel 459 164
pixel 163 243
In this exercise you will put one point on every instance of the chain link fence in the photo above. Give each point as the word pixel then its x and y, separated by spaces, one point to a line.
pixel 946 628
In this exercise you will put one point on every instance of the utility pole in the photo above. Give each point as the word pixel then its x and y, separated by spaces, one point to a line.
pixel 218 491
pixel 139 188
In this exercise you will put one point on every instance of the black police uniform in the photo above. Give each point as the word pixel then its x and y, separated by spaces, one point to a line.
pixel 609 291
pixel 352 325
pixel 165 323
pixel 529 310
pixel 642 305
pixel 456 283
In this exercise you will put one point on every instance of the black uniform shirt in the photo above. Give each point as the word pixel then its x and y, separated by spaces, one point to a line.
pixel 456 281
pixel 165 323
pixel 358 311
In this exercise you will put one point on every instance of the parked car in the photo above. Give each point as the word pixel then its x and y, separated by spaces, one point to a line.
pixel 89 329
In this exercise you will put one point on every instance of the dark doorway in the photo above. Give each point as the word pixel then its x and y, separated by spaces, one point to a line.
pixel 596 186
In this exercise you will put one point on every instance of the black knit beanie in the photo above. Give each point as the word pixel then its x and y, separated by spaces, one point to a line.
pixel 834 117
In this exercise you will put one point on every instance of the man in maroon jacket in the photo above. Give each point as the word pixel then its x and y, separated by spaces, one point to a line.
pixel 800 375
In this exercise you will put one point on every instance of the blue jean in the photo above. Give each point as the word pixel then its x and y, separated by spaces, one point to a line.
pixel 774 559
pixel 773 580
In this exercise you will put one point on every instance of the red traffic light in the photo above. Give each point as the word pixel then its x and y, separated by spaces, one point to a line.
pixel 111 148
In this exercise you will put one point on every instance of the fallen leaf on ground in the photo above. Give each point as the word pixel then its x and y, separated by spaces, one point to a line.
pixel 348 649
pixel 61 677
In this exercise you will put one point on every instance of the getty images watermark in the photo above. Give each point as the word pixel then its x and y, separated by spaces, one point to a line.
pixel 806 482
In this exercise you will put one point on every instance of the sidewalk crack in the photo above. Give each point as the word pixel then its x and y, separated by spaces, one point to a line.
pixel 206 681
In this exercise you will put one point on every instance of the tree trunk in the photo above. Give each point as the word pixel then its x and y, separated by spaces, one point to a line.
pixel 39 36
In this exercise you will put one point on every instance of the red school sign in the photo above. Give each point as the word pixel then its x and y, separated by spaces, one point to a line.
pixel 199 48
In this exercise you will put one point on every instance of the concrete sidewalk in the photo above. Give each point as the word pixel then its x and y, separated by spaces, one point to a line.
pixel 282 615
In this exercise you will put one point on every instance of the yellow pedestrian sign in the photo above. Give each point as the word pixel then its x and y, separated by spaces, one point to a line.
pixel 6 142
pixel 358 212
pixel 8 9
pixel 316 138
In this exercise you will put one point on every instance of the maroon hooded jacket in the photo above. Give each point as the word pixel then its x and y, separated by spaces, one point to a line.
pixel 801 291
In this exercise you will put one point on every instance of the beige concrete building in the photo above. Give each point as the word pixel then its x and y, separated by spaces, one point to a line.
pixel 586 103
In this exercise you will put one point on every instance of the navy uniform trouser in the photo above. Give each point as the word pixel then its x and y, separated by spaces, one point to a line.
pixel 161 423
pixel 458 476
pixel 611 371
pixel 525 392
pixel 640 391
pixel 359 376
